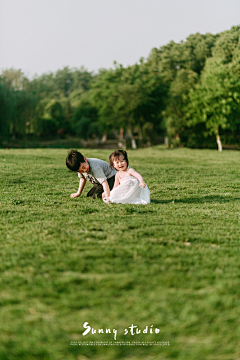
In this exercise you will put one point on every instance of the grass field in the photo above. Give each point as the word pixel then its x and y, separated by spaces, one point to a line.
pixel 173 264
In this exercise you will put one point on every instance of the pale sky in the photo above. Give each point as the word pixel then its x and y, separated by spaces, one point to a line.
pixel 39 36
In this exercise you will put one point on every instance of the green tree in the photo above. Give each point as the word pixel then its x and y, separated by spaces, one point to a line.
pixel 226 44
pixel 189 55
pixel 14 79
pixel 49 118
pixel 195 50
pixel 85 120
pixel 6 110
pixel 127 98
pixel 24 110
pixel 215 100
pixel 174 114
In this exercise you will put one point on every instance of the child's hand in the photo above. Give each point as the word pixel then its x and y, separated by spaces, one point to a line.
pixel 74 195
pixel 142 184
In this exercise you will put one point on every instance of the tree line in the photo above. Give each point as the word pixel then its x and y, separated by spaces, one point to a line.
pixel 188 91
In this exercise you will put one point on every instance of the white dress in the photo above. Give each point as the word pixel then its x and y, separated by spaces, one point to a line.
pixel 128 192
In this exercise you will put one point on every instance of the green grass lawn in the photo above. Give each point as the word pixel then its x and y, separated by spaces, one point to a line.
pixel 173 264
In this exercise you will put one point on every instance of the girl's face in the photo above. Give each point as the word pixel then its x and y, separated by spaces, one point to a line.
pixel 120 164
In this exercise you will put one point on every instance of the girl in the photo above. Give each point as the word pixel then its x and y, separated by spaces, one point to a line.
pixel 129 186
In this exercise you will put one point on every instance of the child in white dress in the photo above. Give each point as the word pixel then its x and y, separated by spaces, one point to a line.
pixel 129 186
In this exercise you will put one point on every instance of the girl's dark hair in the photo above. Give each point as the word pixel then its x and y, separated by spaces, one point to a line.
pixel 74 160
pixel 115 155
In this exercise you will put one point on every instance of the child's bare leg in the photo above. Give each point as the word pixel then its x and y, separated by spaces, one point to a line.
pixel 103 195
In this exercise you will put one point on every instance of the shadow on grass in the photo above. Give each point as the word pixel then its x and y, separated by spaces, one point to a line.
pixel 200 199
pixel 161 201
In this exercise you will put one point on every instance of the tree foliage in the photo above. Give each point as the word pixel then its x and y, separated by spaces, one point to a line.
pixel 128 97
pixel 215 100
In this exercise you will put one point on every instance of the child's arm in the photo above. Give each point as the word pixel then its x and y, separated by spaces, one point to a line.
pixel 134 173
pixel 106 188
pixel 82 183
pixel 116 182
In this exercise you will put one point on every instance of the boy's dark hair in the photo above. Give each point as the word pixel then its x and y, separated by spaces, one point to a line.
pixel 116 154
pixel 74 159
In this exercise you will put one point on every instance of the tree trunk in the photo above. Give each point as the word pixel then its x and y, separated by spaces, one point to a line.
pixel 219 143
pixel 218 140
pixel 133 142
pixel 104 138
pixel 140 135
pixel 166 140
pixel 120 139
pixel 134 145
pixel 121 132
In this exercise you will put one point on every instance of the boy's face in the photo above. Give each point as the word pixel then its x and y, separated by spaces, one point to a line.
pixel 84 167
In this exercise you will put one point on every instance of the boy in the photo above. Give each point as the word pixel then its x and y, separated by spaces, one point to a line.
pixel 96 171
